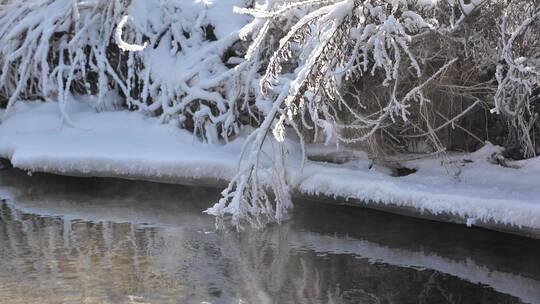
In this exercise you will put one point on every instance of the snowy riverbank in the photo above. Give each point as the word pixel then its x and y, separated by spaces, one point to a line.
pixel 131 145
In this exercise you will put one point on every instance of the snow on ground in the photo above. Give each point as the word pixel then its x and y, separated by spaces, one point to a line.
pixel 108 143
pixel 131 145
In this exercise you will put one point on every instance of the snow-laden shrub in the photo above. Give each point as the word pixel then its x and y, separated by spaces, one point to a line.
pixel 518 70
pixel 53 48
pixel 188 70
pixel 400 47
pixel 331 43
pixel 50 46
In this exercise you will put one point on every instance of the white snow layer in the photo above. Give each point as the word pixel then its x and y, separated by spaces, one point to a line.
pixel 131 145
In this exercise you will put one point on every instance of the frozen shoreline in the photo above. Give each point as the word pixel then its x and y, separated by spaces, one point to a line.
pixel 130 145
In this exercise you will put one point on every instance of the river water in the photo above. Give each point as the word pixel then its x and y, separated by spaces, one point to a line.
pixel 75 240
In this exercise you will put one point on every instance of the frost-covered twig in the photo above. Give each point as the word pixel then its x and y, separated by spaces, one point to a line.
pixel 517 75
pixel 124 46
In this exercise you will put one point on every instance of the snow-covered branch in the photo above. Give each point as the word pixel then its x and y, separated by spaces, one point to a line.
pixel 332 42
pixel 124 46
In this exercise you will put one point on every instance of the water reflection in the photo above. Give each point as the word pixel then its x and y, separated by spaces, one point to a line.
pixel 67 240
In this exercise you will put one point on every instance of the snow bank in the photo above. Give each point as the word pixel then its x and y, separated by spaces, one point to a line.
pixel 131 145
pixel 108 143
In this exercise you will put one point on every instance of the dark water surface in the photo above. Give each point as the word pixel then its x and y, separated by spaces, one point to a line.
pixel 74 240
